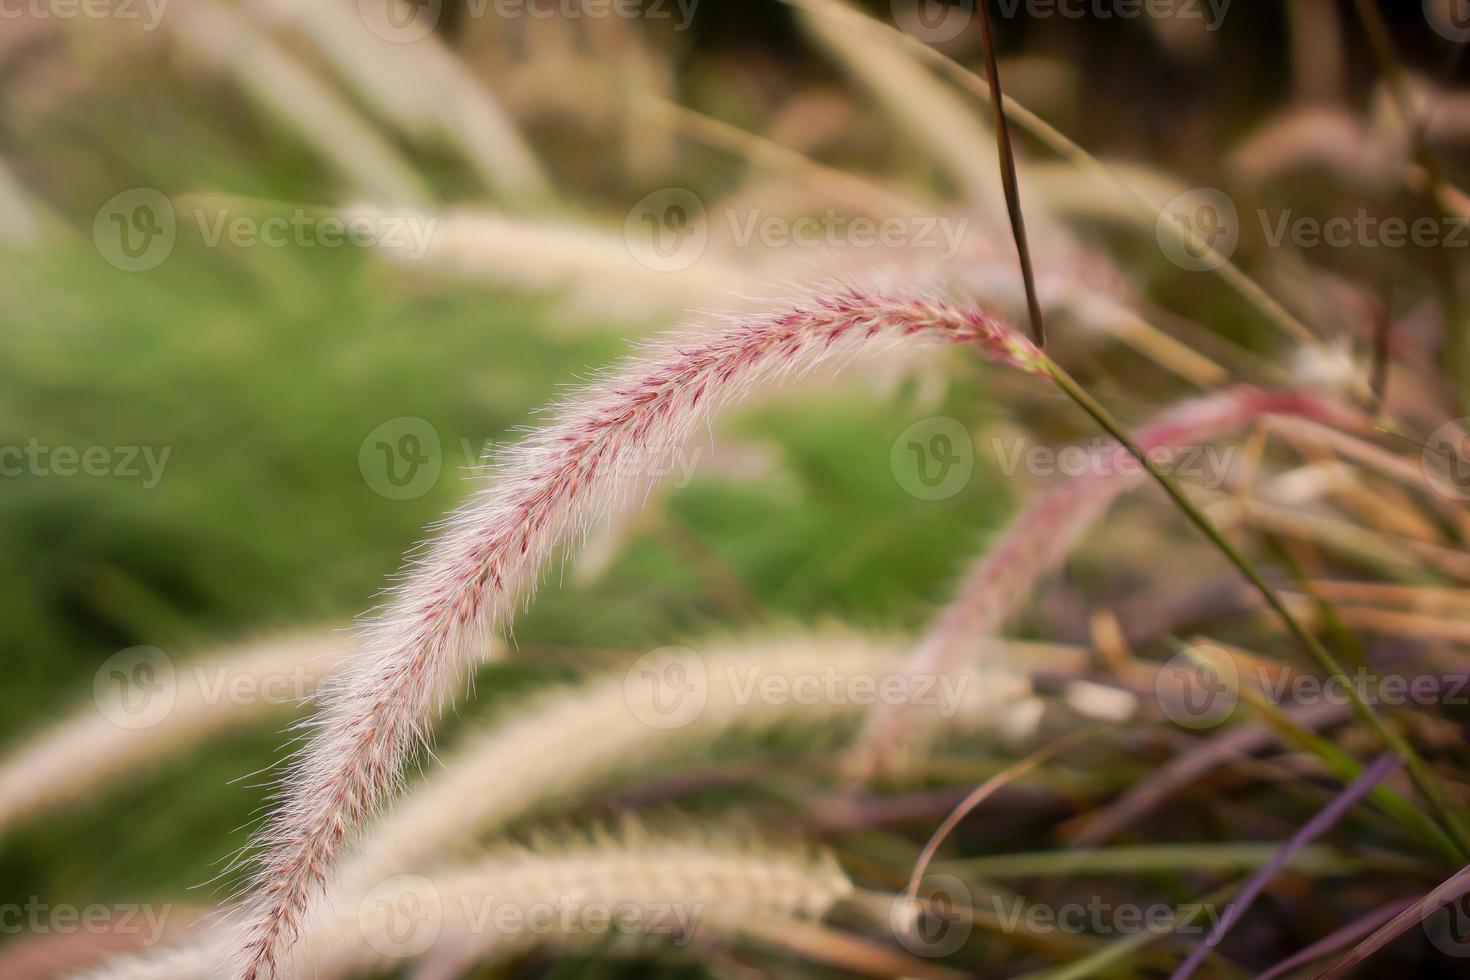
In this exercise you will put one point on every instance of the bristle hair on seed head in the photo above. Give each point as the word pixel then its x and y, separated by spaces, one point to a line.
pixel 600 447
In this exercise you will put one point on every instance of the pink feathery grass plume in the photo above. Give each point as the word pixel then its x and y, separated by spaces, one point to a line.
pixel 1045 532
pixel 600 447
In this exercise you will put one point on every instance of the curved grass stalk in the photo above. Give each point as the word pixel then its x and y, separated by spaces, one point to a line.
pixel 600 450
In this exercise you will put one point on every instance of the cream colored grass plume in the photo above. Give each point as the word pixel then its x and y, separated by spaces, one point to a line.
pixel 1041 537
pixel 596 452
pixel 607 726
pixel 217 694
pixel 632 886
pixel 602 275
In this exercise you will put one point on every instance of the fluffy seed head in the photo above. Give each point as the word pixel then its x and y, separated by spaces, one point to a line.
pixel 599 449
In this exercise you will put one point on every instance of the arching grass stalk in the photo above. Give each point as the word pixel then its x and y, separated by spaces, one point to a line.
pixel 601 449
pixel 1423 777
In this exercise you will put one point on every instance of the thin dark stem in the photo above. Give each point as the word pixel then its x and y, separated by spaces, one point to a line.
pixel 1008 175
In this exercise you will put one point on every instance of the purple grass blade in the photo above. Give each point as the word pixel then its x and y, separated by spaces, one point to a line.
pixel 1338 938
pixel 1456 885
pixel 1314 828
